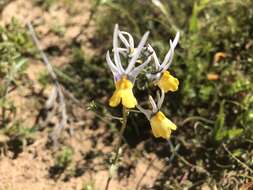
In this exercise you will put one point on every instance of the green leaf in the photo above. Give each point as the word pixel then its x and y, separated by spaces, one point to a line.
pixel 220 135
pixel 205 92
pixel 237 152
pixel 193 26
pixel 219 132
pixel 232 133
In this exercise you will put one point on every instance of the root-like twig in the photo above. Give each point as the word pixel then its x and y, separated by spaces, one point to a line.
pixel 57 91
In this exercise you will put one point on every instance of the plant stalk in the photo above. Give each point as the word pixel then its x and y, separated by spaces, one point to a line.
pixel 123 127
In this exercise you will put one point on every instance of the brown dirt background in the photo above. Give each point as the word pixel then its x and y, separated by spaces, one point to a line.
pixel 30 169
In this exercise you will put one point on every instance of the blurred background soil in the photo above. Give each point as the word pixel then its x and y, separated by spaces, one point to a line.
pixel 32 166
pixel 212 148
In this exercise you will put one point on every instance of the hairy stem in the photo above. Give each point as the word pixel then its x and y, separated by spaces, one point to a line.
pixel 116 158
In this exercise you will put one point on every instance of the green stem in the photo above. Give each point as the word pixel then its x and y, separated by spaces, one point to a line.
pixel 115 160
pixel 5 93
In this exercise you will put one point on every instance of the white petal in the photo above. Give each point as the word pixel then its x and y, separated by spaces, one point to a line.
pixel 153 77
pixel 123 51
pixel 111 65
pixel 157 62
pixel 176 39
pixel 160 100
pixel 137 53
pixel 115 49
pixel 153 104
pixel 124 40
pixel 146 112
pixel 138 69
pixel 169 56
pixel 166 66
pixel 130 38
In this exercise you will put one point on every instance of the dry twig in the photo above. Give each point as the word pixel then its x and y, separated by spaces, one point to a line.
pixel 236 159
pixel 57 91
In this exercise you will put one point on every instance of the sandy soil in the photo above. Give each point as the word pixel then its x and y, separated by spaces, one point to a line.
pixel 34 167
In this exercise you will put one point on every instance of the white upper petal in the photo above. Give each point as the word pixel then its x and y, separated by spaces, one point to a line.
pixel 160 99
pixel 137 52
pixel 111 65
pixel 115 49
pixel 124 40
pixel 169 56
pixel 153 104
pixel 130 38
pixel 138 69
pixel 157 62
pixel 146 112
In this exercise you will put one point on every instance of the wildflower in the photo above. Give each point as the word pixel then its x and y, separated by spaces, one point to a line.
pixel 123 92
pixel 129 48
pixel 160 124
pixel 166 81
pixel 125 78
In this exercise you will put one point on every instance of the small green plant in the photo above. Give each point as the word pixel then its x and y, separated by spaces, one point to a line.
pixel 46 4
pixel 63 164
pixel 14 44
pixel 64 158
pixel 213 62
pixel 125 72
pixel 89 186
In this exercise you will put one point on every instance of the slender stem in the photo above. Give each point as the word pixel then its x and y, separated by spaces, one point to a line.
pixel 236 159
pixel 116 158
pixel 5 93
pixel 3 115
pixel 208 121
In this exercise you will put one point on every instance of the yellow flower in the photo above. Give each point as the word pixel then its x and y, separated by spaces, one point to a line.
pixel 161 125
pixel 167 82
pixel 124 93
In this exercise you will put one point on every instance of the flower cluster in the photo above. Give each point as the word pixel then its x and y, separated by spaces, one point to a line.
pixel 136 59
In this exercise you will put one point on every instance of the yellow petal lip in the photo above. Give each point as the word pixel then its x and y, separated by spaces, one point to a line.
pixel 161 125
pixel 123 93
pixel 168 83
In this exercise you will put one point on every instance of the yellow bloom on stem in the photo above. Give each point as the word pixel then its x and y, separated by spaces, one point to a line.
pixel 161 125
pixel 124 87
pixel 124 93
pixel 167 82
